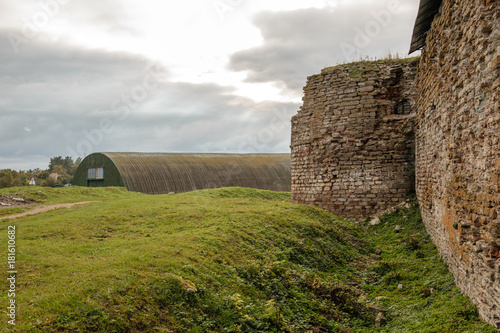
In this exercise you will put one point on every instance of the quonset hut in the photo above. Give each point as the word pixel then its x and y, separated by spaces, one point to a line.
pixel 160 173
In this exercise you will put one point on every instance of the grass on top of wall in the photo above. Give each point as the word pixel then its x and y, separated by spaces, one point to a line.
pixel 359 68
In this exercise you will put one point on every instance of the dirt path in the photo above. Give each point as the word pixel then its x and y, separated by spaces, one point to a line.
pixel 43 209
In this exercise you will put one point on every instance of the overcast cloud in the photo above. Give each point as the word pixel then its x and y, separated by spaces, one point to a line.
pixel 301 42
pixel 97 77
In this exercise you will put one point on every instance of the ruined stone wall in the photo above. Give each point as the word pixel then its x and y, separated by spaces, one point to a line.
pixel 353 138
pixel 458 146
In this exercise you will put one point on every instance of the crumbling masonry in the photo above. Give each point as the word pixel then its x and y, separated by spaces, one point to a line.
pixel 353 139
pixel 458 146
pixel 365 128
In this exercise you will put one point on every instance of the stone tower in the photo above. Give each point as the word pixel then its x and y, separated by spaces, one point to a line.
pixel 353 141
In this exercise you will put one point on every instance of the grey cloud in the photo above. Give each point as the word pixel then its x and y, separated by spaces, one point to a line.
pixel 202 118
pixel 55 96
pixel 107 15
pixel 57 77
pixel 302 42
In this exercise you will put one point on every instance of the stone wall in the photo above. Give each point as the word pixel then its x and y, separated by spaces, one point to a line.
pixel 458 146
pixel 353 138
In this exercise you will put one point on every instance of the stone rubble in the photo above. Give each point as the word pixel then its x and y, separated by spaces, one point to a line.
pixel 7 201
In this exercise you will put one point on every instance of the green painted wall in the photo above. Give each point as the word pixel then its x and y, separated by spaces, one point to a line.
pixel 112 176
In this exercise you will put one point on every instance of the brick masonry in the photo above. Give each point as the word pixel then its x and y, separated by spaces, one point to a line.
pixel 353 154
pixel 458 146
pixel 353 138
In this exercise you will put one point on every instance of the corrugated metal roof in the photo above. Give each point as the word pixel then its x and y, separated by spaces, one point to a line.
pixel 426 13
pixel 157 173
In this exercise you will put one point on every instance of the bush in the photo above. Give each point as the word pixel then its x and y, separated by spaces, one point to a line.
pixel 49 182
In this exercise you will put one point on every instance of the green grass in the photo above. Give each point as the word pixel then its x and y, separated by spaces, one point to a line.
pixel 429 300
pixel 358 69
pixel 12 211
pixel 223 260
pixel 48 195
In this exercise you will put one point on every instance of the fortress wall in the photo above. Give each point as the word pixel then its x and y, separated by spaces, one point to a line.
pixel 458 146
pixel 352 153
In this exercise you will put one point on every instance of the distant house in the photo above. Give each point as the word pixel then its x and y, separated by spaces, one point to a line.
pixel 54 176
pixel 32 182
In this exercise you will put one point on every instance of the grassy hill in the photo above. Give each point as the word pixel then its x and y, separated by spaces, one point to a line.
pixel 224 260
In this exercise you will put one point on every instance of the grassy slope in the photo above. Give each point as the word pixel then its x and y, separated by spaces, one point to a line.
pixel 224 260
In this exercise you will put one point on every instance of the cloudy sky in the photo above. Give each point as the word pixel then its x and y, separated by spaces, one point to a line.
pixel 173 76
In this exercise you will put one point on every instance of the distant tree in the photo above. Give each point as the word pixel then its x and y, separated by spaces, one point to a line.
pixel 58 169
pixel 23 177
pixel 73 168
pixel 26 176
pixel 65 167
pixel 59 160
pixel 64 179
pixel 44 174
pixel 50 182
pixel 6 178
pixel 66 163
pixel 10 178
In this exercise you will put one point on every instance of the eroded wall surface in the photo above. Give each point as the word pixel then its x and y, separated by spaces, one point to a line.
pixel 458 148
pixel 353 138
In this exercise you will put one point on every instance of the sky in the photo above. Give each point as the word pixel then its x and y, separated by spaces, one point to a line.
pixel 78 77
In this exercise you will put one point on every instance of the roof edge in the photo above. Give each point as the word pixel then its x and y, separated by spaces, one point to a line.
pixel 426 13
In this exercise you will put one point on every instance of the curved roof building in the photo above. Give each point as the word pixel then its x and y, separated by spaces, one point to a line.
pixel 160 173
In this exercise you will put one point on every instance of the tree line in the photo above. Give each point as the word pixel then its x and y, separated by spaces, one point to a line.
pixel 64 167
